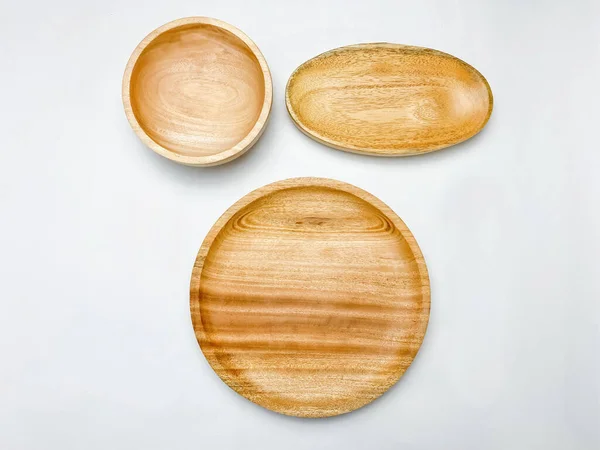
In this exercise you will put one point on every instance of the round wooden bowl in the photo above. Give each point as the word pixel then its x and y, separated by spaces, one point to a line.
pixel 310 297
pixel 198 91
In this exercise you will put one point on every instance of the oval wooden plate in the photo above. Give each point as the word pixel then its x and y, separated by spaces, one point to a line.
pixel 388 99
pixel 310 297
pixel 198 91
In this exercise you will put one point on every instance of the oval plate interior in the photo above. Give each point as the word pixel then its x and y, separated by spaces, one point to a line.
pixel 388 99
pixel 310 297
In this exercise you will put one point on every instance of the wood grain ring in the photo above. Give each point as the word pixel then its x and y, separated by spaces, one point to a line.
pixel 198 69
pixel 310 297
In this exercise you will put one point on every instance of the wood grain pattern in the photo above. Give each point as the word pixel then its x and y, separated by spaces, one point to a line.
pixel 198 91
pixel 388 99
pixel 310 297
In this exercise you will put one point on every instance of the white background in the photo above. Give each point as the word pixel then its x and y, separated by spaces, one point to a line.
pixel 99 234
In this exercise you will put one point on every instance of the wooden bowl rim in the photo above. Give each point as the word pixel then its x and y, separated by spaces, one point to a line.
pixel 290 183
pixel 225 155
pixel 386 153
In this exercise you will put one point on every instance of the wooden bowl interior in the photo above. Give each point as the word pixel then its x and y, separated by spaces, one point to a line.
pixel 197 90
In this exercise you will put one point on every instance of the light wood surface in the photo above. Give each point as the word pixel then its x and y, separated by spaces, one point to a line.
pixel 310 297
pixel 197 91
pixel 388 99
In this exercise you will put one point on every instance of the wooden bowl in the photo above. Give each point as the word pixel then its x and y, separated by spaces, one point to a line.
pixel 198 91
pixel 388 99
pixel 310 297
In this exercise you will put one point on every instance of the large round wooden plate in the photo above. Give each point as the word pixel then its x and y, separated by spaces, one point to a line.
pixel 310 297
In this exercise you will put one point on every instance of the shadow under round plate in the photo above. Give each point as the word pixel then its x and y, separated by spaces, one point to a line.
pixel 388 99
pixel 198 91
pixel 310 297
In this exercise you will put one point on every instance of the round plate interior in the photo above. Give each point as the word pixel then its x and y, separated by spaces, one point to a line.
pixel 310 297
pixel 198 91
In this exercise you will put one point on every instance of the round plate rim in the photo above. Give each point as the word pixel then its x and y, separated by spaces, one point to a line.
pixel 206 160
pixel 269 189
pixel 386 153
